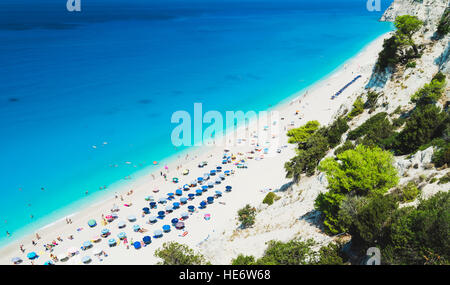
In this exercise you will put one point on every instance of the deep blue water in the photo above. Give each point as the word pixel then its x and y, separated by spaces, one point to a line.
pixel 117 71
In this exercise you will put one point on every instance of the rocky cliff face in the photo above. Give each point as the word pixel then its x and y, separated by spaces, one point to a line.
pixel 429 11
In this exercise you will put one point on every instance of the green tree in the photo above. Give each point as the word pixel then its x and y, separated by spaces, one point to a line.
pixel 329 204
pixel 294 252
pixel 358 108
pixel 301 134
pixel 270 197
pixel 247 216
pixel 430 93
pixel 243 260
pixel 363 171
pixel 173 253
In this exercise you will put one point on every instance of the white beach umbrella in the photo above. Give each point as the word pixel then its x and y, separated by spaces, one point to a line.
pixel 62 256
pixel 97 251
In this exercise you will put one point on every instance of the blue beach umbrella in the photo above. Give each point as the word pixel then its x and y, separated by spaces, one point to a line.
pixel 228 188
pixel 48 262
pixel 176 205
pixel 153 205
pixel 146 210
pixel 112 242
pixel 137 245
pixel 218 194
pixel 183 200
pixel 184 215
pixel 206 176
pixel 179 192
pixel 205 188
pixel 222 176
pixel 227 172
pixel 166 228
pixel 212 172
pixel 202 204
pixel 161 214
pixel 122 235
pixel 162 200
pixel 179 225
pixel 105 231
pixel 131 218
pixel 147 239
pixel 200 179
pixel 186 187
pixel 169 208
pixel 92 223
pixel 32 255
pixel 87 244
pixel 136 228
pixel 153 219
pixel 198 192
pixel 210 200
pixel 86 259
pixel 191 208
pixel 210 184
pixel 218 180
pixel 121 224
pixel 174 221
pixel 191 196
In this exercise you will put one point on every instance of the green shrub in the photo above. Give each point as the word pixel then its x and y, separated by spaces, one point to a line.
pixel 346 146
pixel 407 193
pixel 270 197
pixel 247 216
pixel 335 131
pixel 411 64
pixel 330 255
pixel 430 93
pixel 358 108
pixel 444 179
pixel 294 252
pixel 243 260
pixel 372 98
pixel 441 155
pixel 329 204
pixel 426 123
pixel 173 253
pixel 301 134
pixel 444 24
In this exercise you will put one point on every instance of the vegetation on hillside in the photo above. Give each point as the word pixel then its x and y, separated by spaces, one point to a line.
pixel 173 253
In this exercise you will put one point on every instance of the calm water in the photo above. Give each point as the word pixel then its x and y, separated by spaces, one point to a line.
pixel 117 71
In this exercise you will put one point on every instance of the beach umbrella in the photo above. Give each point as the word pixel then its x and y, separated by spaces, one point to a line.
pixel 131 218
pixel 219 194
pixel 137 245
pixel 161 213
pixel 152 219
pixel 170 195
pixel 86 259
pixel 169 208
pixel 136 228
pixel 200 179
pixel 92 223
pixel 162 200
pixel 32 255
pixel 179 225
pixel 218 181
pixel 112 242
pixel 210 200
pixel 146 210
pixel 115 208
pixel 121 224
pixel 191 208
pixel 174 221
pixel 62 257
pixel 176 205
pixel 198 192
pixel 186 187
pixel 202 204
pixel 109 218
pixel 97 251
pixel 212 172
pixel 147 198
pixel 175 180
pixel 157 233
pixel 166 228
pixel 222 176
pixel 207 217
pixel 205 188
pixel 16 260
pixel 122 235
pixel 186 172
pixel 105 231
pixel 210 185
pixel 191 196
pixel 184 215
pixel 206 176
pixel 194 183
pixel 147 239
pixel 224 161
pixel 152 205
pixel 179 192
pixel 183 200
pixel 219 168
pixel 227 172
pixel 228 188
pixel 87 244
pixel 48 262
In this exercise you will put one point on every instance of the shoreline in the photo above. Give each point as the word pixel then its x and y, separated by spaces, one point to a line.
pixel 143 177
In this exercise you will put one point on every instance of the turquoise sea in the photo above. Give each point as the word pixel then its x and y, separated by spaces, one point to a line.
pixel 112 75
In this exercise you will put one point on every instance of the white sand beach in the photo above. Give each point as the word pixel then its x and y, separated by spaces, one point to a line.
pixel 249 186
